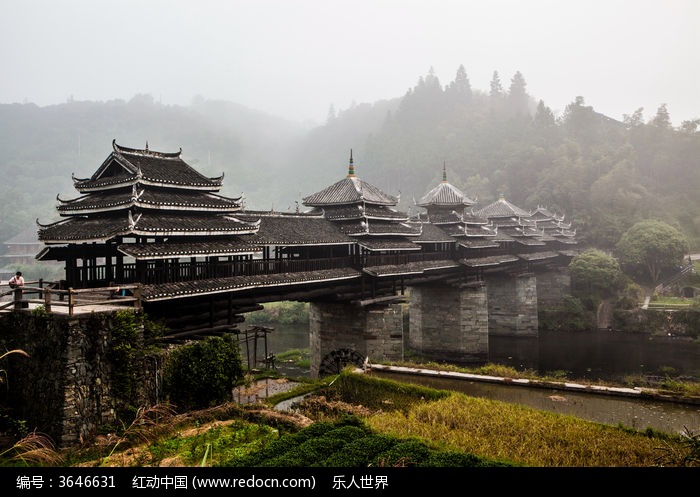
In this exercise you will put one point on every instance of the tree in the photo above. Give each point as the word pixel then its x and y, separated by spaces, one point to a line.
pixel 203 373
pixel 544 117
pixel 635 120
pixel 331 114
pixel 662 118
pixel 517 94
pixel 495 85
pixel 460 90
pixel 690 127
pixel 652 246
pixel 593 272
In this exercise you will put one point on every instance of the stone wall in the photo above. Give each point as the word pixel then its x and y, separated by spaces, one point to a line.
pixel 552 285
pixel 63 389
pixel 512 303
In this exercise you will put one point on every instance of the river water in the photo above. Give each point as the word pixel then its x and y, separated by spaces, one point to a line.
pixel 597 355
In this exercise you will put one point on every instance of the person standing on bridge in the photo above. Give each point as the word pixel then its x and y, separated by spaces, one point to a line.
pixel 17 281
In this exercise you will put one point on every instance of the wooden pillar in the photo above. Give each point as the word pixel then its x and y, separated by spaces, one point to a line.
pixel 119 276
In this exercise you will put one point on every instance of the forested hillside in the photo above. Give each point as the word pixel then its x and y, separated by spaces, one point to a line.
pixel 602 174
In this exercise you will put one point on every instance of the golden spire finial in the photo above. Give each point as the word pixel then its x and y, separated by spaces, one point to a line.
pixel 351 167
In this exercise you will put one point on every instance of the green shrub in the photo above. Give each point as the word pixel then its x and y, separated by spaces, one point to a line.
pixel 361 451
pixel 203 373
pixel 402 454
pixel 311 453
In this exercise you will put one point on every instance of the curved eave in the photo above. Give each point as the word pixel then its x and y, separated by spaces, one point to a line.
pixel 148 206
pixel 152 293
pixel 86 187
pixel 364 233
pixel 190 232
pixel 94 239
pixel 134 180
pixel 399 219
pixel 311 244
pixel 175 254
pixel 358 201
pixel 446 204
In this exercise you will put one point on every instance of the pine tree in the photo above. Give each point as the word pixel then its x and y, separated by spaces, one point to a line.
pixel 662 118
pixel 496 88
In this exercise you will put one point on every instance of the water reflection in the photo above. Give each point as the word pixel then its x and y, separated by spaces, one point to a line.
pixel 596 355
pixel 599 355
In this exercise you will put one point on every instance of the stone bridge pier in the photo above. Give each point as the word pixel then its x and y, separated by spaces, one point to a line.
pixel 512 304
pixel 348 333
pixel 449 322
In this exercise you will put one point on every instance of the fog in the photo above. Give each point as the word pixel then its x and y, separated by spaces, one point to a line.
pixel 297 58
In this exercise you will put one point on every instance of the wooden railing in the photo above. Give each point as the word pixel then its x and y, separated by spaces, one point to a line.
pixel 51 297
pixel 163 271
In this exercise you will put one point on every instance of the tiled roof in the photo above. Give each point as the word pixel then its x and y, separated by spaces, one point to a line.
pixel 105 227
pixel 360 211
pixel 418 267
pixel 478 243
pixel 501 208
pixel 387 244
pixel 280 229
pixel 432 233
pixel 149 198
pixel 471 218
pixel 165 291
pixel 494 260
pixel 444 194
pixel 453 229
pixel 127 166
pixel 205 248
pixel 480 231
pixel 444 217
pixel 539 256
pixel 349 190
pixel 80 229
pixel 360 228
pixel 569 253
pixel 542 213
pixel 529 241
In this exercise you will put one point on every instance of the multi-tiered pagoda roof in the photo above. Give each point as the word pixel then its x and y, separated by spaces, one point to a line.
pixel 365 213
pixel 152 205
pixel 446 208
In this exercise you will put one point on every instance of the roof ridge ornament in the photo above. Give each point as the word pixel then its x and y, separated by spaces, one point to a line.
pixel 444 173
pixel 132 221
pixel 351 167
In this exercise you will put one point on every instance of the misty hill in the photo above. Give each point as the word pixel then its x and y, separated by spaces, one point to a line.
pixel 602 174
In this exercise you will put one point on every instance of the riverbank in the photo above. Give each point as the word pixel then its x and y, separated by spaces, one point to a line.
pixel 633 392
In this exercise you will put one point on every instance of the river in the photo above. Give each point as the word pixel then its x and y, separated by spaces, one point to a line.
pixel 597 355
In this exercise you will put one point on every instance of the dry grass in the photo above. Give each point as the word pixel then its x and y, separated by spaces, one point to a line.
pixel 35 449
pixel 501 431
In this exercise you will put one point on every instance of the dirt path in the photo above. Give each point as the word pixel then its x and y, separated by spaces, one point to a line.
pixel 262 389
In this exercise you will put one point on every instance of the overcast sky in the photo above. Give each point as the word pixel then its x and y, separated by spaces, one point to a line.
pixel 296 58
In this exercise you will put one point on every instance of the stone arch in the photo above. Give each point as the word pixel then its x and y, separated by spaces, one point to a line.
pixel 336 360
pixel 689 292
